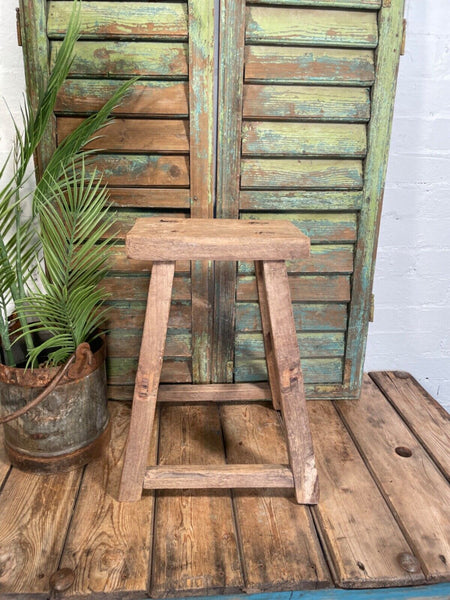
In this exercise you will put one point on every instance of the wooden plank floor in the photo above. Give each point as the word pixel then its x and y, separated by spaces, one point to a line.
pixel 383 520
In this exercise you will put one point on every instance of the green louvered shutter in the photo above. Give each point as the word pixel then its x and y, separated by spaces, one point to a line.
pixel 306 94
pixel 152 164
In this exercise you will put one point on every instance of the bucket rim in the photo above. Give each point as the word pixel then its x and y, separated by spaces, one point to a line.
pixel 41 376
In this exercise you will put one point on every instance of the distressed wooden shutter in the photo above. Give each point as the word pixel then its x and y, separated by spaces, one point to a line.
pixel 306 96
pixel 306 90
pixel 157 157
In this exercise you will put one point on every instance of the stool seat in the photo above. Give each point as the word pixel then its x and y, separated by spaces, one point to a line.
pixel 268 243
pixel 164 239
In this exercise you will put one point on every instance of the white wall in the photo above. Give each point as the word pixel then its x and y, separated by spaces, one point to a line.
pixel 411 330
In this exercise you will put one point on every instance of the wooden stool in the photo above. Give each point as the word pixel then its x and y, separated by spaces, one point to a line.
pixel 269 244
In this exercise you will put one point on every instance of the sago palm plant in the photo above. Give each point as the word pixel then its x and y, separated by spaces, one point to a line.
pixel 60 240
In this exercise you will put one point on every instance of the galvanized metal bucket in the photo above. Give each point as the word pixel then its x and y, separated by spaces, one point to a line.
pixel 69 427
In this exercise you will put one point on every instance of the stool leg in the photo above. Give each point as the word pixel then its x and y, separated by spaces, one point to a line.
pixel 147 381
pixel 267 335
pixel 292 398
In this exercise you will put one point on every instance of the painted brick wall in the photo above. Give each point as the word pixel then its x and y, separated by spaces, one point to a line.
pixel 411 330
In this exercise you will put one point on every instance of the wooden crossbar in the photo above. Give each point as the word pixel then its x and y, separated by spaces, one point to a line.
pixel 214 392
pixel 218 476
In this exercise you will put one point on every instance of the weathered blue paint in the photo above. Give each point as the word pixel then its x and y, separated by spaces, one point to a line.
pixel 431 592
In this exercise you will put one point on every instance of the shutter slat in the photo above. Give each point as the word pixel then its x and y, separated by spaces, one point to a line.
pixel 126 59
pixel 109 20
pixel 133 135
pixel 309 65
pixel 308 139
pixel 303 26
pixel 288 173
pixel 145 98
pixel 306 102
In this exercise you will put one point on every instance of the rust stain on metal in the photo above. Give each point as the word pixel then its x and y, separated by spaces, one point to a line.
pixel 41 376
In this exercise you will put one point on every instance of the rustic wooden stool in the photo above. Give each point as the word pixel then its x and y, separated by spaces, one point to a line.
pixel 269 244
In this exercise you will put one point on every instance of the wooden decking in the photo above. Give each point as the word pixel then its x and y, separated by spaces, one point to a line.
pixel 383 519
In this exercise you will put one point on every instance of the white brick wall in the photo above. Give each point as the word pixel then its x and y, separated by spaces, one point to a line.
pixel 412 282
pixel 411 330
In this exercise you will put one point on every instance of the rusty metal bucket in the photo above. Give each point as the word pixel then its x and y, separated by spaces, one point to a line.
pixel 70 427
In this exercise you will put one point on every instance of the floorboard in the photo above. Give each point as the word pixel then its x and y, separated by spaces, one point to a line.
pixel 360 535
pixel 279 545
pixel 109 543
pixel 417 409
pixel 195 536
pixel 413 486
pixel 377 506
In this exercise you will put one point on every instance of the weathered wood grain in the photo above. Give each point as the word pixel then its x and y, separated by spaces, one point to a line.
pixel 313 316
pixel 289 377
pixel 125 59
pixel 149 197
pixel 262 138
pixel 317 103
pixel 230 99
pixel 201 109
pixel 318 226
pixel 279 200
pixel 218 239
pixel 278 543
pixel 312 344
pixel 122 371
pixel 145 170
pixel 403 471
pixel 309 65
pixel 125 219
pixel 359 534
pixel 305 288
pixel 267 336
pixel 214 392
pixel 132 286
pixel 4 462
pixel 324 258
pixel 130 315
pixel 304 26
pixel 361 4
pixel 301 173
pixel 315 370
pixel 35 43
pixel 418 409
pixel 218 476
pixel 147 380
pixel 390 20
pixel 133 135
pixel 109 20
pixel 126 343
pixel 35 514
pixel 109 543
pixel 118 261
pixel 189 524
pixel 143 98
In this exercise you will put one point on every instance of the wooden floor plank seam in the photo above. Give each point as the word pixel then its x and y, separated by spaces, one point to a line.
pixel 374 376
pixel 383 486
pixel 258 543
pixel 155 508
pixel 233 506
pixel 378 485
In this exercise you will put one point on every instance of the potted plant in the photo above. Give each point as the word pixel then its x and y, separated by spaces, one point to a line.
pixel 52 259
